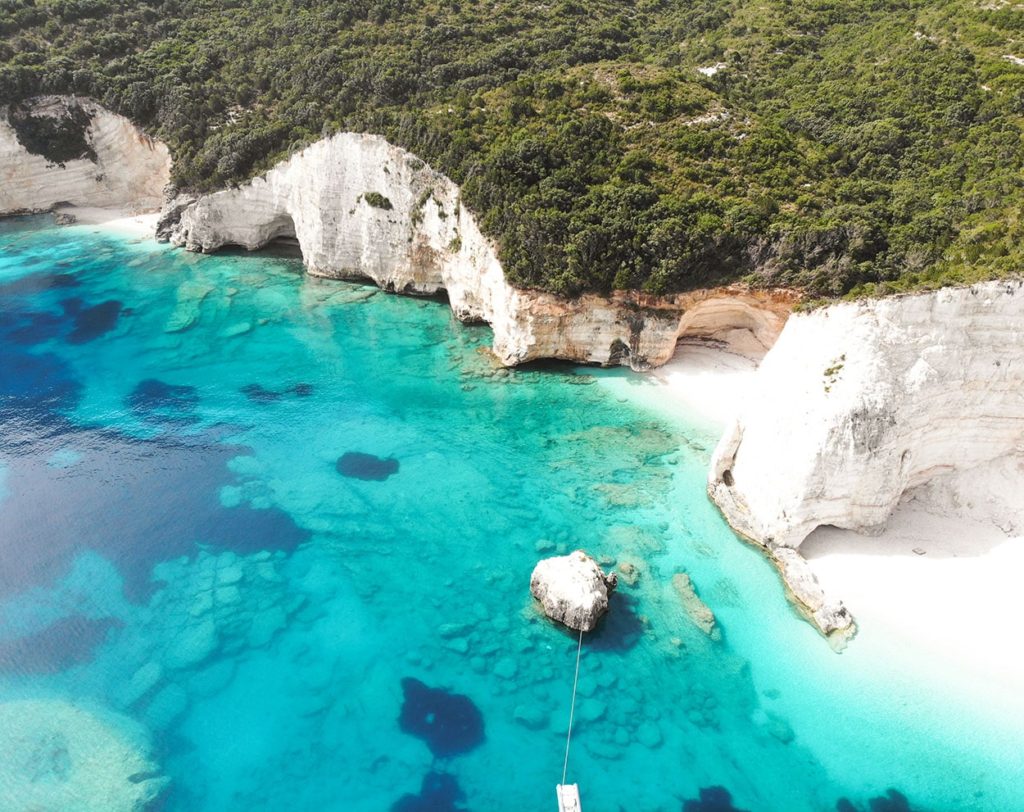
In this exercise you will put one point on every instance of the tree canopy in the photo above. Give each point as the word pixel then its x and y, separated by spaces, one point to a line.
pixel 838 146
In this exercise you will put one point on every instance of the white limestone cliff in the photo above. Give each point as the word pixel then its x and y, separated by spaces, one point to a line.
pixel 859 402
pixel 130 170
pixel 418 238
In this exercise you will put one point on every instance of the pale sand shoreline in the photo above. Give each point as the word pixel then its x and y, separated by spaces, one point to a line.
pixel 945 586
pixel 956 602
pixel 138 224
pixel 943 576
pixel 706 380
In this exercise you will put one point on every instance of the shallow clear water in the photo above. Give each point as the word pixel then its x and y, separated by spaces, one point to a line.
pixel 185 559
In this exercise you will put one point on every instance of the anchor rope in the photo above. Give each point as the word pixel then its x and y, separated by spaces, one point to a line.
pixel 572 708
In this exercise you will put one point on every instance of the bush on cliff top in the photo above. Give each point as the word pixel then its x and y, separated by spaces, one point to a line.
pixel 833 145
pixel 59 138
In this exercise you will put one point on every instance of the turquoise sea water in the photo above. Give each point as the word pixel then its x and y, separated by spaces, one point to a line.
pixel 206 605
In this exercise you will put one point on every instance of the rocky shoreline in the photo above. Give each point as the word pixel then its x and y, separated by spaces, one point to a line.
pixel 853 404
pixel 361 208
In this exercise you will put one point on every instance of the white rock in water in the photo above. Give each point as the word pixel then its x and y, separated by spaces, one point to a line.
pixel 572 589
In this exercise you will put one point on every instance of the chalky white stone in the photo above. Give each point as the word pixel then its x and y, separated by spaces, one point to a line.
pixel 572 589
pixel 860 402
pixel 423 240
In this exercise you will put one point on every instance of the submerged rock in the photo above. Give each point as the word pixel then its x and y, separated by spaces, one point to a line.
pixel 572 589
pixel 649 735
pixel 193 644
pixel 91 322
pixel 440 792
pixel 531 716
pixel 166 707
pixel 356 465
pixel 892 801
pixel 161 402
pixel 698 611
pixel 506 668
pixel 591 710
pixel 450 724
pixel 257 393
pixel 64 643
pixel 630 573
pixel 141 683
pixel 712 799
pixel 190 296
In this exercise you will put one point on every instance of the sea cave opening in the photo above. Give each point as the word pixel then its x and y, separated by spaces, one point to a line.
pixel 282 238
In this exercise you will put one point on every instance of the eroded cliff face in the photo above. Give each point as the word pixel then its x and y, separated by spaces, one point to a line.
pixel 360 207
pixel 857 403
pixel 123 168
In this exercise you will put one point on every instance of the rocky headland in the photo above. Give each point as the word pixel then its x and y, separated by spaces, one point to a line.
pixel 859 403
pixel 361 208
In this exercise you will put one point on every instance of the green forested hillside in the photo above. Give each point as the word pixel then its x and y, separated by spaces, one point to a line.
pixel 835 145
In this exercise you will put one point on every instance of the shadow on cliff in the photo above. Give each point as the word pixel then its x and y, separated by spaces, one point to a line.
pixel 899 542
pixel 279 248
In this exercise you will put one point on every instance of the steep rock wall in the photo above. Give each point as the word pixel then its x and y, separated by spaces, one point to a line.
pixel 130 169
pixel 858 402
pixel 360 207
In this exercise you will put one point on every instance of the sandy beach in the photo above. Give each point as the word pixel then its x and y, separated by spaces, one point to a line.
pixel 946 586
pixel 942 577
pixel 706 380
pixel 140 224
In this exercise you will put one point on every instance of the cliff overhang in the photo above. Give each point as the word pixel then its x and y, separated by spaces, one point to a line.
pixel 362 208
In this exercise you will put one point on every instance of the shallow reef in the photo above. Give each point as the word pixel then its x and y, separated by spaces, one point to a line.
pixel 60 756
pixel 249 627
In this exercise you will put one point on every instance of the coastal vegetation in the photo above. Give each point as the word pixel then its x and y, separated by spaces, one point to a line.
pixel 378 201
pixel 58 139
pixel 845 147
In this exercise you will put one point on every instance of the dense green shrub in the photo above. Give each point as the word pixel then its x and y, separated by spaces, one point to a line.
pixel 836 145
pixel 377 200
pixel 58 138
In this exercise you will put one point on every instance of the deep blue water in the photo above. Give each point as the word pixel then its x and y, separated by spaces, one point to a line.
pixel 265 544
